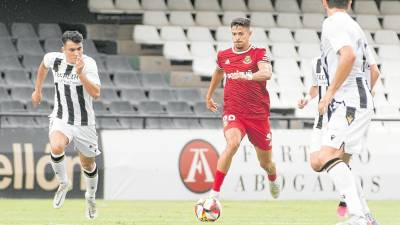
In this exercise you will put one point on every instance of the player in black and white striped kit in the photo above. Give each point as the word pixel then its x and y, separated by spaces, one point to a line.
pixel 76 83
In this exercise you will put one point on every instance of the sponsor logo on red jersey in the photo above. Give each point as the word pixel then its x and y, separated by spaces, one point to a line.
pixel 197 165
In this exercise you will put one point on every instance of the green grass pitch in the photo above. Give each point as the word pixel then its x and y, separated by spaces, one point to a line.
pixel 40 212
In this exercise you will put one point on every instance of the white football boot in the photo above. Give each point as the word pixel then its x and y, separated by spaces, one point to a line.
pixel 90 211
pixel 274 188
pixel 59 197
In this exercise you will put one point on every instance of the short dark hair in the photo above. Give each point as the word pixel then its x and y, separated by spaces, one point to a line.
pixel 340 4
pixel 241 21
pixel 73 36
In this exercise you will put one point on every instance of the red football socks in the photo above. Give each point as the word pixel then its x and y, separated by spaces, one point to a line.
pixel 219 179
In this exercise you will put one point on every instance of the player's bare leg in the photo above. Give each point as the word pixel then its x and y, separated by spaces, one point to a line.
pixel 233 138
pixel 265 159
pixel 330 160
pixel 91 176
pixel 58 141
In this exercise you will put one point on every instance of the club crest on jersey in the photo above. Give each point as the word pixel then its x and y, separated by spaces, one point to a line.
pixel 247 59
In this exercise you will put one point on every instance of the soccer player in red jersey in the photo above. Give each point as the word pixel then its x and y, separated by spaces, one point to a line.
pixel 246 102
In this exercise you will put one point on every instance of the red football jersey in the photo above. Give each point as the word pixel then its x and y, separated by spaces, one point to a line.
pixel 245 98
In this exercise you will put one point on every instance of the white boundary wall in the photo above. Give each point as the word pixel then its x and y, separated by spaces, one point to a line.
pixel 144 164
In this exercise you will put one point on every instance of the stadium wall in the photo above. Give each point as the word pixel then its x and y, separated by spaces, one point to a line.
pixel 178 164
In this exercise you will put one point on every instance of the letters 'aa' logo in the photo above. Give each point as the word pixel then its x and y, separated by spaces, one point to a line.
pixel 197 165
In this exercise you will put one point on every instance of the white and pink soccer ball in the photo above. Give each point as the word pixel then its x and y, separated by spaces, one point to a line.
pixel 208 210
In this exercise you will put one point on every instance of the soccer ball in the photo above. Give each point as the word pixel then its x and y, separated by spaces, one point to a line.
pixel 208 210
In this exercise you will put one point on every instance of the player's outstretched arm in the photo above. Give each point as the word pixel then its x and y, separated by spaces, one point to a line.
pixel 215 82
pixel 37 93
pixel 311 94
pixel 346 61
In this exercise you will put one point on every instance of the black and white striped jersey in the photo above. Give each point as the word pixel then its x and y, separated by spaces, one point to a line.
pixel 340 30
pixel 72 104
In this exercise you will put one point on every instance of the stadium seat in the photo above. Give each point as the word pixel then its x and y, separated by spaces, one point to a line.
pixel 184 5
pixel 162 95
pixel 17 78
pixel 223 34
pixel 100 108
pixel 262 19
pixel 49 30
pixel 231 15
pixel 272 85
pixel 179 51
pixel 207 5
pixel 306 36
pixel 202 49
pixel 365 7
pixel 118 63
pixel 280 35
pixel 151 107
pixel 283 67
pixel 181 18
pixel 369 22
pixel 3 31
pixel 393 98
pixel 89 47
pixel 283 50
pixel 128 6
pixel 233 5
pixel 312 6
pixel 4 96
pixel 203 66
pixel 154 80
pixel 108 123
pixel 121 107
pixel 52 45
pixel 155 18
pixel 386 37
pixel 289 98
pixel 10 62
pixel 22 94
pixel 178 108
pixel 172 33
pixel 389 52
pixel 223 45
pixel 199 34
pixel 390 67
pixel 7 47
pixel 127 80
pixel 260 5
pixel 391 22
pixel 309 50
pixel 189 95
pixel 186 123
pixel 289 20
pixel 20 121
pixel 387 111
pixel 274 99
pixel 313 20
pixel 29 46
pixel 105 80
pixel 12 106
pixel 100 63
pixel 109 95
pixel 134 96
pixel 31 62
pixel 23 30
pixel 132 123
pixel 146 34
pixel 287 6
pixel 2 82
pixel 258 35
pixel 207 19
pixel 370 40
pixel 390 7
pixel 154 5
pixel 102 6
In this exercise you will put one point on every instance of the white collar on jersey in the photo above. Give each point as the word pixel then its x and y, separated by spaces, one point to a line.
pixel 236 52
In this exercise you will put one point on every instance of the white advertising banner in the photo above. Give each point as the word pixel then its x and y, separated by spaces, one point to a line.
pixel 180 164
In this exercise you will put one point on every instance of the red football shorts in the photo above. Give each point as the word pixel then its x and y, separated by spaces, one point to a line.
pixel 258 131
